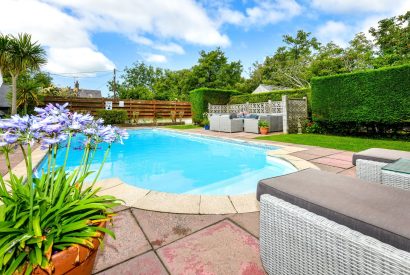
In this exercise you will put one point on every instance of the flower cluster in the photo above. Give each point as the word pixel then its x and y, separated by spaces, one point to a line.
pixel 53 124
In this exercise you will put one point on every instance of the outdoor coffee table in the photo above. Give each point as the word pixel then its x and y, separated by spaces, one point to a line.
pixel 397 174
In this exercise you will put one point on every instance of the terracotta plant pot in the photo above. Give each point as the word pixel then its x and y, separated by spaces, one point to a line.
pixel 75 260
pixel 264 130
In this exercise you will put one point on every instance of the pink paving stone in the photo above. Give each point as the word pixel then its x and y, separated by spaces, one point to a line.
pixel 130 242
pixel 328 168
pixel 334 162
pixel 223 248
pixel 146 264
pixel 349 172
pixel 163 228
pixel 319 151
pixel 248 221
pixel 346 156
pixel 305 155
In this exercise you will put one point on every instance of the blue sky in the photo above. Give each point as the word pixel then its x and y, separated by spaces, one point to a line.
pixel 86 39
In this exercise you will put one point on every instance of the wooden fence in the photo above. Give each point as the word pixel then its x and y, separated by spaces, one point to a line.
pixel 146 108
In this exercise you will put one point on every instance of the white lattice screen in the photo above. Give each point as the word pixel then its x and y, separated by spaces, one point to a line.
pixel 271 107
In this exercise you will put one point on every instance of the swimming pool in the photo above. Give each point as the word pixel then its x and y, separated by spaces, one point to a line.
pixel 181 163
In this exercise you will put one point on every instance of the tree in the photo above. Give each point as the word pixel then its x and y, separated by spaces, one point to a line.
pixel 4 54
pixel 359 54
pixel 392 36
pixel 30 87
pixel 328 60
pixel 23 55
pixel 173 85
pixel 214 71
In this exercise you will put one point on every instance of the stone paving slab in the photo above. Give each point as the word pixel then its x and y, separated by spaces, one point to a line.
pixel 223 248
pixel 167 202
pixel 146 264
pixel 130 242
pixel 129 194
pixel 216 205
pixel 245 203
pixel 349 172
pixel 321 152
pixel 248 221
pixel 346 156
pixel 305 155
pixel 334 162
pixel 164 228
pixel 329 168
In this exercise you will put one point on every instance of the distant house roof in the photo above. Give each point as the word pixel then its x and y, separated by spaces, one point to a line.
pixel 262 88
pixel 89 93
pixel 4 89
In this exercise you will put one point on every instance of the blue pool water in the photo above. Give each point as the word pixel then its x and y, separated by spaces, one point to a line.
pixel 180 163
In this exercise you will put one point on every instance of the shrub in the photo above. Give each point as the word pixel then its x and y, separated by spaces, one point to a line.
pixel 201 97
pixel 263 123
pixel 113 116
pixel 377 100
pixel 274 96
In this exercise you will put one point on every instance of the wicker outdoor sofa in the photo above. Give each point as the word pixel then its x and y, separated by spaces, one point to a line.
pixel 228 123
pixel 316 222
pixel 369 164
pixel 275 122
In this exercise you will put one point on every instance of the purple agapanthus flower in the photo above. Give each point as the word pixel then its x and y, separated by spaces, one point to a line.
pixel 53 124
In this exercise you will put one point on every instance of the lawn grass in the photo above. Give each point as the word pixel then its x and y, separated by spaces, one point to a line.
pixel 354 144
pixel 183 127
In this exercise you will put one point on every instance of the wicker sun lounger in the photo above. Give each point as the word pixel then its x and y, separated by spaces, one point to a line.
pixel 315 222
pixel 369 163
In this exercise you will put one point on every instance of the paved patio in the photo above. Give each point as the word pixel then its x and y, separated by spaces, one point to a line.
pixel 151 242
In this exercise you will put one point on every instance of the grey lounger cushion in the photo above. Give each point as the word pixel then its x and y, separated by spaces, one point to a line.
pixel 380 155
pixel 375 210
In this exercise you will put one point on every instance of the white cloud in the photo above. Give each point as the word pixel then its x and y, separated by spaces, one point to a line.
pixel 171 48
pixel 67 60
pixel 156 58
pixel 264 12
pixel 177 19
pixel 355 6
pixel 65 27
pixel 338 32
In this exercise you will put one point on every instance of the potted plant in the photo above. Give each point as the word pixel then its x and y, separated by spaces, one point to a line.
pixel 205 123
pixel 263 126
pixel 53 222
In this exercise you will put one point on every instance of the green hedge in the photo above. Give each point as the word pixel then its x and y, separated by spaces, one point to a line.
pixel 201 97
pixel 113 116
pixel 373 98
pixel 274 96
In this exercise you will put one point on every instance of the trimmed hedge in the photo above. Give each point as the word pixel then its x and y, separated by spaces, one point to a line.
pixel 274 96
pixel 379 99
pixel 201 97
pixel 113 116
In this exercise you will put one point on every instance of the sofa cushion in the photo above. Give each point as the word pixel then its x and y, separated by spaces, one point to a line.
pixel 380 155
pixel 231 116
pixel 375 210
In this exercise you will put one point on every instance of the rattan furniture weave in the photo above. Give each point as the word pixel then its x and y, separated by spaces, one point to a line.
pixel 369 170
pixel 295 241
pixel 369 162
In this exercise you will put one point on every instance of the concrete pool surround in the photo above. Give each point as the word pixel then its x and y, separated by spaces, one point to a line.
pixel 185 203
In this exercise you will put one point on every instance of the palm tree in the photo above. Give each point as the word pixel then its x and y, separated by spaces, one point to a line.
pixel 23 55
pixel 27 93
pixel 4 54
